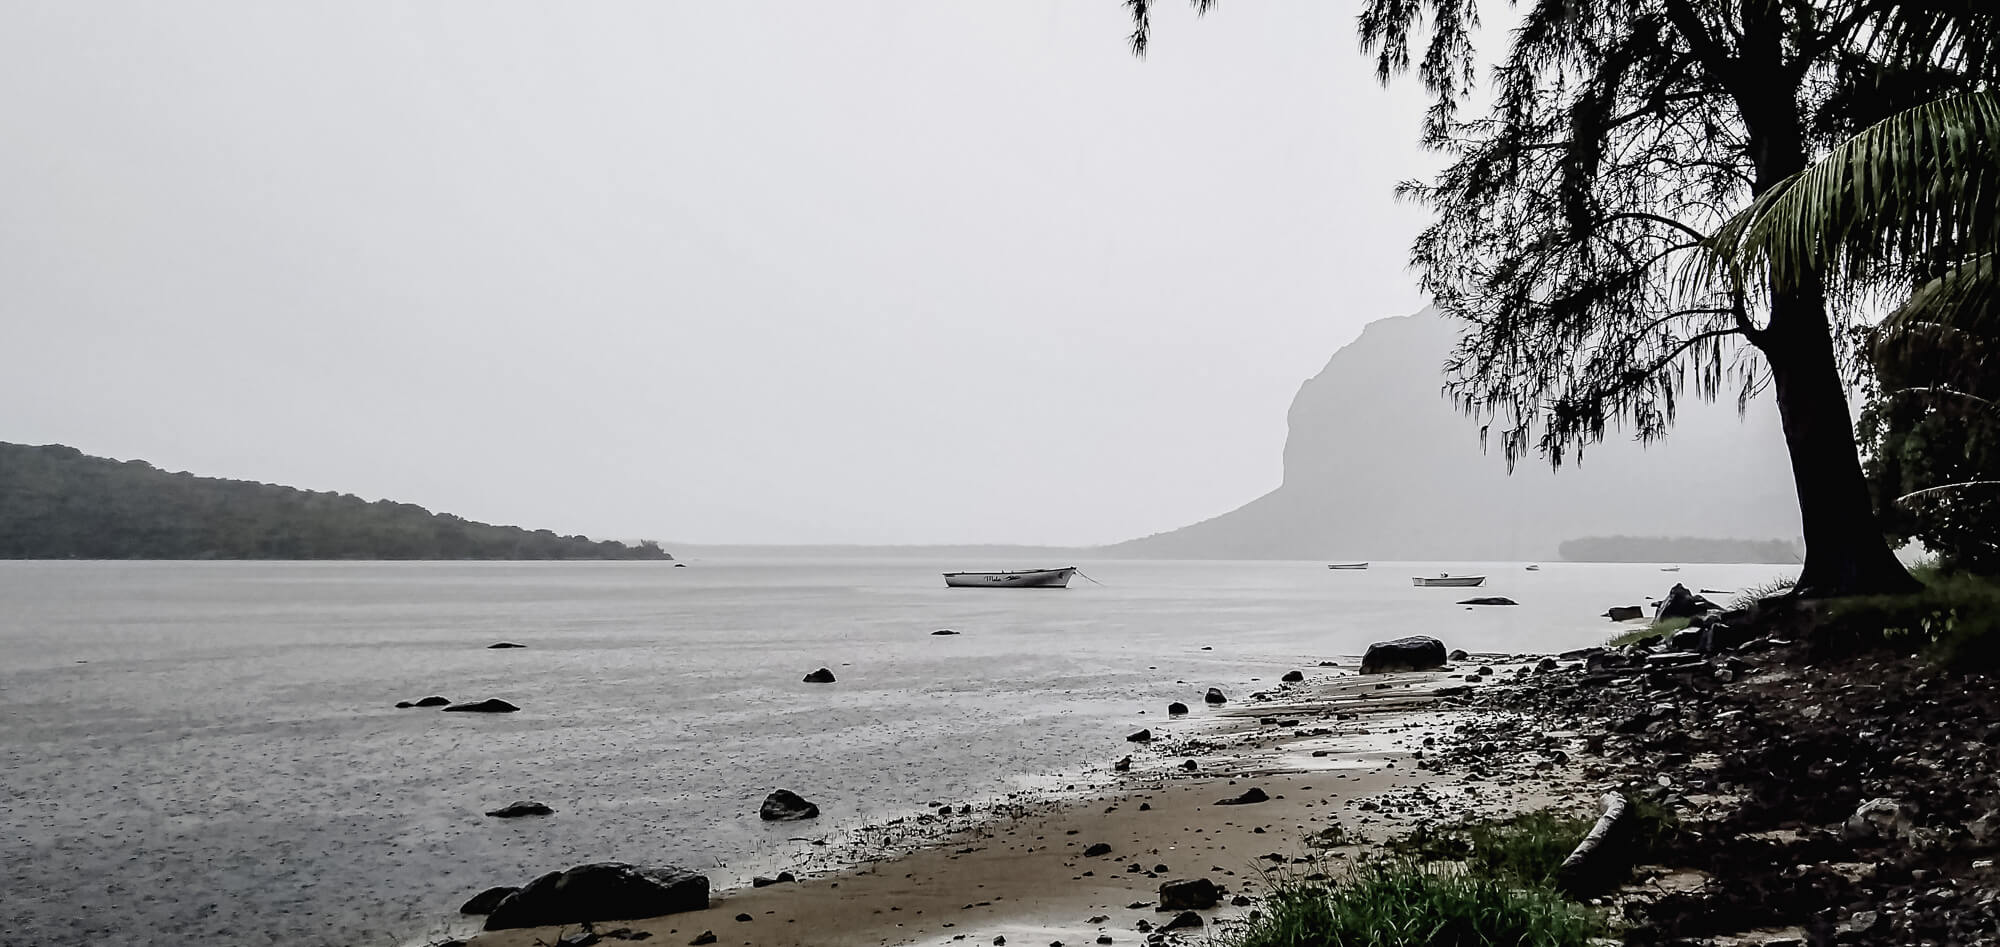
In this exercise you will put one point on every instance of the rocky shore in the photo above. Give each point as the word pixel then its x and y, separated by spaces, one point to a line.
pixel 1812 797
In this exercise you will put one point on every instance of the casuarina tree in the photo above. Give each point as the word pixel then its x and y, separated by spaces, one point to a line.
pixel 1617 137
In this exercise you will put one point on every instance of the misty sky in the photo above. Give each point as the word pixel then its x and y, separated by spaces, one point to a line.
pixel 721 271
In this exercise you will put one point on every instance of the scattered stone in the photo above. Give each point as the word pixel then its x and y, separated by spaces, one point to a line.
pixel 519 809
pixel 600 891
pixel 485 901
pixel 1250 796
pixel 504 644
pixel 1415 653
pixel 1293 677
pixel 1125 765
pixel 1096 850
pixel 784 877
pixel 705 937
pixel 744 918
pixel 432 701
pixel 1177 708
pixel 1143 736
pixel 1625 612
pixel 1681 603
pixel 1881 818
pixel 1197 894
pixel 1214 696
pixel 1185 919
pixel 784 805
pixel 1459 654
pixel 943 631
pixel 821 676
pixel 491 705
pixel 1490 600
pixel 404 704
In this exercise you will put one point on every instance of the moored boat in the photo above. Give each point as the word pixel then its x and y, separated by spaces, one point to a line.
pixel 1017 579
pixel 1347 565
pixel 1448 581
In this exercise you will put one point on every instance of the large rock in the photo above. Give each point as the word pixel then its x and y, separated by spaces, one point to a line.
pixel 491 705
pixel 520 809
pixel 432 701
pixel 1176 708
pixel 485 901
pixel 1293 677
pixel 821 676
pixel 1415 653
pixel 604 891
pixel 784 805
pixel 1197 894
pixel 1681 603
pixel 1214 696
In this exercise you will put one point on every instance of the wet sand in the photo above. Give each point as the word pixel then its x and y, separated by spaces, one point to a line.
pixel 1336 750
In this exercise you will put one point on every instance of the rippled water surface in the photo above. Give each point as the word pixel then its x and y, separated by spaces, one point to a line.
pixel 210 750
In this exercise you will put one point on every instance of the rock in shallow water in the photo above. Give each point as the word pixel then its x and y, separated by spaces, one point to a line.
pixel 1251 796
pixel 821 676
pixel 519 809
pixel 1214 696
pixel 1193 893
pixel 432 701
pixel 1490 600
pixel 491 705
pixel 485 901
pixel 1143 736
pixel 784 805
pixel 1177 708
pixel 1293 677
pixel 1415 653
pixel 600 892
pixel 504 644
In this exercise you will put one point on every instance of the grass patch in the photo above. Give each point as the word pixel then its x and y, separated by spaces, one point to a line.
pixel 1955 620
pixel 1526 849
pixel 1748 598
pixel 1404 903
pixel 1661 628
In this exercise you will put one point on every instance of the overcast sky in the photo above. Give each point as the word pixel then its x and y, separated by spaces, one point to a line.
pixel 737 271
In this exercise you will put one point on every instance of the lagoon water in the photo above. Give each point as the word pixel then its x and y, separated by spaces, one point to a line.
pixel 209 753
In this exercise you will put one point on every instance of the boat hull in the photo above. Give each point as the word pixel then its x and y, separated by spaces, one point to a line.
pixel 1449 582
pixel 1026 579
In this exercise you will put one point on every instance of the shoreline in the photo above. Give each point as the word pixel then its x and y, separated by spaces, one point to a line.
pixel 1338 749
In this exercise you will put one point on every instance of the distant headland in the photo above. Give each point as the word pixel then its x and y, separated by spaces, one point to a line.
pixel 57 502
pixel 1679 549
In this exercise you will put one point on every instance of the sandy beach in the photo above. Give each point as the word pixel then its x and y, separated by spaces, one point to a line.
pixel 1338 750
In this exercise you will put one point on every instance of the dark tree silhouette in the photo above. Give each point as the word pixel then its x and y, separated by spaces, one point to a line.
pixel 1621 135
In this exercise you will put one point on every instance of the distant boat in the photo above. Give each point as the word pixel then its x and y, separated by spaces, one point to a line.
pixel 1534 568
pixel 1347 565
pixel 1670 568
pixel 1018 579
pixel 1448 581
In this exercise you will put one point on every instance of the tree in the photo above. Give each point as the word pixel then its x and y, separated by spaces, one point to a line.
pixel 1621 136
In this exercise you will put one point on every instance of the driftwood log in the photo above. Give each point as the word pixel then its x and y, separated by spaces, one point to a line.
pixel 1598 862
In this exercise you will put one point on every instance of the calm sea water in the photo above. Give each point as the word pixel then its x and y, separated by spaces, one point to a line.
pixel 208 752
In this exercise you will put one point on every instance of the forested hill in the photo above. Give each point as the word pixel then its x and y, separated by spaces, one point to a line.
pixel 58 503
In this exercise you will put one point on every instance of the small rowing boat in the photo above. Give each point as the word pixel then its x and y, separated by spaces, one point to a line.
pixel 1347 565
pixel 1018 579
pixel 1448 581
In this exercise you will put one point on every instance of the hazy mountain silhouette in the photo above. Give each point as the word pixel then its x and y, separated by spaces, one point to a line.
pixel 1379 465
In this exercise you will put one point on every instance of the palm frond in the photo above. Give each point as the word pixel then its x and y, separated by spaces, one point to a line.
pixel 1917 188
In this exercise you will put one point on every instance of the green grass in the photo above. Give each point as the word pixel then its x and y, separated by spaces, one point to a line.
pixel 1526 848
pixel 1404 903
pixel 1666 628
pixel 1955 620
pixel 1748 598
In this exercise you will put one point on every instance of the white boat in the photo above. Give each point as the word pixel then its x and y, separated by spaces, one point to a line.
pixel 1347 565
pixel 1018 579
pixel 1448 581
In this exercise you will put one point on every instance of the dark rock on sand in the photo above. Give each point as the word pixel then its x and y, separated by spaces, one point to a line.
pixel 1185 919
pixel 432 701
pixel 404 704
pixel 519 809
pixel 1625 612
pixel 705 937
pixel 1197 894
pixel 1177 708
pixel 1125 765
pixel 1490 600
pixel 1143 736
pixel 943 631
pixel 784 805
pixel 491 705
pixel 1214 696
pixel 1293 677
pixel 600 891
pixel 1415 653
pixel 485 901
pixel 1250 796
pixel 1459 654
pixel 1096 850
pixel 821 676
pixel 784 877
pixel 504 644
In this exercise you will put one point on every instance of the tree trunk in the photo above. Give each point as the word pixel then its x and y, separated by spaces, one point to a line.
pixel 1846 552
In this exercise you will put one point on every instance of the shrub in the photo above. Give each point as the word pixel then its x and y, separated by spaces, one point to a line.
pixel 1404 903
pixel 1955 619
